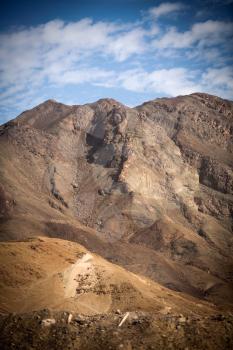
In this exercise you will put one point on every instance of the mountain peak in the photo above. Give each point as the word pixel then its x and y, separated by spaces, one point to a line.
pixel 145 187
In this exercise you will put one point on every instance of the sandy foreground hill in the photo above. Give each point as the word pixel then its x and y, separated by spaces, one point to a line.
pixel 52 273
pixel 109 212
pixel 56 295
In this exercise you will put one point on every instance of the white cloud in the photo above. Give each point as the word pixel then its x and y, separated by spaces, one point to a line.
pixel 179 81
pixel 83 75
pixel 105 54
pixel 127 44
pixel 166 8
pixel 205 33
pixel 172 82
pixel 57 47
pixel 220 79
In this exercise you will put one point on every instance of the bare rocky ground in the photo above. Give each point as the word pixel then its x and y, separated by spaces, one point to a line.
pixel 146 194
pixel 49 275
pixel 140 331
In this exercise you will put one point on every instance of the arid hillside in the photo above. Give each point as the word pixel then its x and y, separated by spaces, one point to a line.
pixel 148 188
pixel 61 275
pixel 55 294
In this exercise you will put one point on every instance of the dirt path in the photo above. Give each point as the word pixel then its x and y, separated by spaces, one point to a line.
pixel 69 276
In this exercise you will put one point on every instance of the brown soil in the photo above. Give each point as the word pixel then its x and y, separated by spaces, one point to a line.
pixel 105 207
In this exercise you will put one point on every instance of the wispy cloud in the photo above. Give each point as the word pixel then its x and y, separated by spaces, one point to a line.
pixel 166 8
pixel 174 81
pixel 127 44
pixel 179 81
pixel 207 33
pixel 219 81
pixel 141 57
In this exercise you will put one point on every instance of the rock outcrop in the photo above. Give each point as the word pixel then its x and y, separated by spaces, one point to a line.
pixel 148 188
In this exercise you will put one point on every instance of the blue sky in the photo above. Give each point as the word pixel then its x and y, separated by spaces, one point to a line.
pixel 132 50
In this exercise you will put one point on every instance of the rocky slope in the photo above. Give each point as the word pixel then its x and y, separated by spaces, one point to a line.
pixel 148 188
pixel 61 275
pixel 141 331
pixel 81 301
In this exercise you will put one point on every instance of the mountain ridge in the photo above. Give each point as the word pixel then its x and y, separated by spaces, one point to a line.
pixel 149 188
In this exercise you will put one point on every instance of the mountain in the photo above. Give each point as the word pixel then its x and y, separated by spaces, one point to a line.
pixel 141 196
pixel 55 294
pixel 68 277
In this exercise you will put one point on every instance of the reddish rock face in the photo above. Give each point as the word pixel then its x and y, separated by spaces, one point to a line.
pixel 149 188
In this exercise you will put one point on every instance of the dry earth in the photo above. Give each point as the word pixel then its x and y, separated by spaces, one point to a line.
pixel 128 206
pixel 52 275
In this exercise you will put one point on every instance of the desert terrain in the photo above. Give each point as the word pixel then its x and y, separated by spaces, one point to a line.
pixel 109 212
